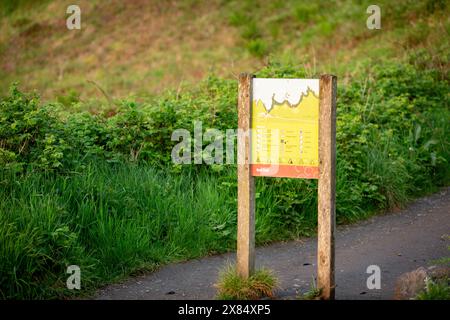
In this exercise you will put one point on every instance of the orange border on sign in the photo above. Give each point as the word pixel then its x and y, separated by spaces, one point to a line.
pixel 284 171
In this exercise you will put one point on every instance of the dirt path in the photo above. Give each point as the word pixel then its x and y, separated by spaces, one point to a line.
pixel 396 242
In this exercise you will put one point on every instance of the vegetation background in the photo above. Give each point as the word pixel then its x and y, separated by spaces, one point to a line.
pixel 86 176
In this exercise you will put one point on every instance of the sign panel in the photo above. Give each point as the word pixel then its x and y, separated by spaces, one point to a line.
pixel 285 128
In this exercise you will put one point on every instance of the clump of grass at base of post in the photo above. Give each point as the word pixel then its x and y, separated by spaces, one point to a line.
pixel 231 286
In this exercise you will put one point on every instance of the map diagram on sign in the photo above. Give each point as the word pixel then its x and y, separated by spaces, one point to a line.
pixel 285 128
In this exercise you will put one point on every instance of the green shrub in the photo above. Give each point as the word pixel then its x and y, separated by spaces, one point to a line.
pixel 257 47
pixel 436 290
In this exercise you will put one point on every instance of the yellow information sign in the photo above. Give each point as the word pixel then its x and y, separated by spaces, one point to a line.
pixel 285 128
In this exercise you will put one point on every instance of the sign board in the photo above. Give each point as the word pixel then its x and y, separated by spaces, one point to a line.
pixel 285 128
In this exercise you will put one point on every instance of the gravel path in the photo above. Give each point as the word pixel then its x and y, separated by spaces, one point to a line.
pixel 397 242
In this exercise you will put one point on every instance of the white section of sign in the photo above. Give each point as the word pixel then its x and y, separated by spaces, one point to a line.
pixel 280 90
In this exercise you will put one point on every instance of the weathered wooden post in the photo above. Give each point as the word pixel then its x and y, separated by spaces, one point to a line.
pixel 327 186
pixel 246 188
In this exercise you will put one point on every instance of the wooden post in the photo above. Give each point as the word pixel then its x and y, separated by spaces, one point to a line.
pixel 246 189
pixel 327 186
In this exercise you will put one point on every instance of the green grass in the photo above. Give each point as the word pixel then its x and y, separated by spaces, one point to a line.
pixel 437 288
pixel 262 283
pixel 100 191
